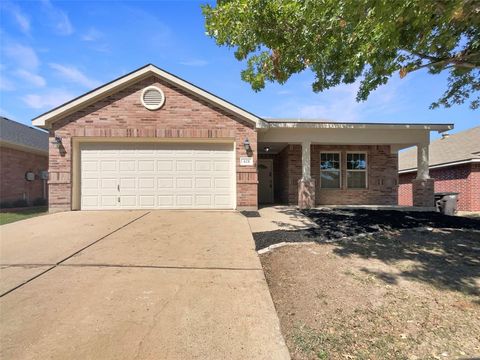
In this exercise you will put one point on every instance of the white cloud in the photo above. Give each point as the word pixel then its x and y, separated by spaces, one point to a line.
pixel 194 62
pixel 49 99
pixel 339 103
pixel 6 84
pixel 33 79
pixel 58 19
pixel 20 18
pixel 73 74
pixel 23 56
pixel 92 35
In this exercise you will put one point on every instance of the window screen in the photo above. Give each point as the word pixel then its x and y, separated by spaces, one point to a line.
pixel 330 170
pixel 357 170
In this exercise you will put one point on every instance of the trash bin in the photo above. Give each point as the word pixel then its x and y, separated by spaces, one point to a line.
pixel 446 202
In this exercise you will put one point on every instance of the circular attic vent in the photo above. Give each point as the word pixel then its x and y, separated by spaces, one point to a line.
pixel 152 98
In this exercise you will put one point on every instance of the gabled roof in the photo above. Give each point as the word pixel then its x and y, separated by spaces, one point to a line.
pixel 453 149
pixel 27 138
pixel 46 119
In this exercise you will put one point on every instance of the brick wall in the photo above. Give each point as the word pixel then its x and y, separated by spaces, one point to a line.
pixel 122 115
pixel 474 179
pixel 13 166
pixel 382 176
pixel 464 179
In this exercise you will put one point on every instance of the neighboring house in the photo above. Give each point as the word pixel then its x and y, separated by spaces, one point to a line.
pixel 454 165
pixel 23 164
pixel 152 140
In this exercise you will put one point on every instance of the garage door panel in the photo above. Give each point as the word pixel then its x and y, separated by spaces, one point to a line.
pixel 203 200
pixel 127 183
pixel 185 200
pixel 146 183
pixel 147 201
pixel 146 165
pixel 222 200
pixel 184 165
pixel 165 183
pixel 127 165
pixel 203 183
pixel 157 176
pixel 222 165
pixel 166 201
pixel 108 184
pixel 109 200
pixel 184 183
pixel 165 165
pixel 90 201
pixel 108 165
pixel 203 165
pixel 128 201
pixel 91 165
pixel 222 183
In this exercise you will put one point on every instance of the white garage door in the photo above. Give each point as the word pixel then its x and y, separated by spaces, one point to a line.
pixel 169 176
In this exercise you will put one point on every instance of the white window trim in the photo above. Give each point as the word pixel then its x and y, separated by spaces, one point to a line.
pixel 340 185
pixel 356 170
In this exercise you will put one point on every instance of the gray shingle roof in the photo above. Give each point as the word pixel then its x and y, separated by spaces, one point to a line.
pixel 14 133
pixel 457 147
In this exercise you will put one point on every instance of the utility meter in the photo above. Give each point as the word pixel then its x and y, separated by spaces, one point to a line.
pixel 44 175
pixel 29 176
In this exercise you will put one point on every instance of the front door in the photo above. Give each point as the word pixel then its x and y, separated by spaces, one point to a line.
pixel 265 181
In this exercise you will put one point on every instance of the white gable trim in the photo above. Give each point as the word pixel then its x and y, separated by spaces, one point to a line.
pixel 45 120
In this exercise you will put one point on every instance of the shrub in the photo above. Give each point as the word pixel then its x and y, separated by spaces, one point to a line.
pixel 5 205
pixel 39 202
pixel 20 203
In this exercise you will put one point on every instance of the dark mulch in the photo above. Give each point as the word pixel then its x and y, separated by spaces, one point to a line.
pixel 336 224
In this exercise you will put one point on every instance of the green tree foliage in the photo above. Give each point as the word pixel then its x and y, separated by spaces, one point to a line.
pixel 345 40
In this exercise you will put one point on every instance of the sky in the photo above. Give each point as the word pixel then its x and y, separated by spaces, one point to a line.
pixel 53 51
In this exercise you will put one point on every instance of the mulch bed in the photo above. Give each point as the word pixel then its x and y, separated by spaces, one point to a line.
pixel 335 224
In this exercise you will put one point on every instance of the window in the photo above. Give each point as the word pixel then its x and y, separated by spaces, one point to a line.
pixel 357 170
pixel 330 170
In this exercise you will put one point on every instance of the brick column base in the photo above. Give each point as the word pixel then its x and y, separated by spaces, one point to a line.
pixel 423 192
pixel 306 193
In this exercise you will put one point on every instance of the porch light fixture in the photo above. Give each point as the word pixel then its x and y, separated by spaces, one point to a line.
pixel 266 149
pixel 57 141
pixel 246 144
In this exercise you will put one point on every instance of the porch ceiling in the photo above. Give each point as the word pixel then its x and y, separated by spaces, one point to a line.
pixel 266 148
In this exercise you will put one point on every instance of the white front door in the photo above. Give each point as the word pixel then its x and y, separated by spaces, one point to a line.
pixel 265 181
pixel 157 175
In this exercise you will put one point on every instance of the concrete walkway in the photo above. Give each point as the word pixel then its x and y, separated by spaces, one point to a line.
pixel 279 217
pixel 135 284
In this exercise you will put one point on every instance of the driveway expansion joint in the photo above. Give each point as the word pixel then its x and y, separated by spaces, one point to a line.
pixel 133 266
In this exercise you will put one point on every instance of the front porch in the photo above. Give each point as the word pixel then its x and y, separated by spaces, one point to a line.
pixel 313 165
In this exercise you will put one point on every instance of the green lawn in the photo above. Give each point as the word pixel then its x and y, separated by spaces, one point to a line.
pixel 9 217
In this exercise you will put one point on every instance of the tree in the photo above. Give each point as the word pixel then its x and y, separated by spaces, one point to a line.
pixel 342 41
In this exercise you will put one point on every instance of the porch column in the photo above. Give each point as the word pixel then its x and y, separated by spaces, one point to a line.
pixel 423 185
pixel 306 185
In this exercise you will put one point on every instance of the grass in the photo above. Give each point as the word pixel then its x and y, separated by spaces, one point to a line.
pixel 17 215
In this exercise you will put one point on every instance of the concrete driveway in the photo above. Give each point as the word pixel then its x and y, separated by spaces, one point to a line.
pixel 135 284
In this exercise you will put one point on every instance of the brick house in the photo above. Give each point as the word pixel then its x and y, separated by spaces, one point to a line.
pixel 454 165
pixel 23 150
pixel 152 140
